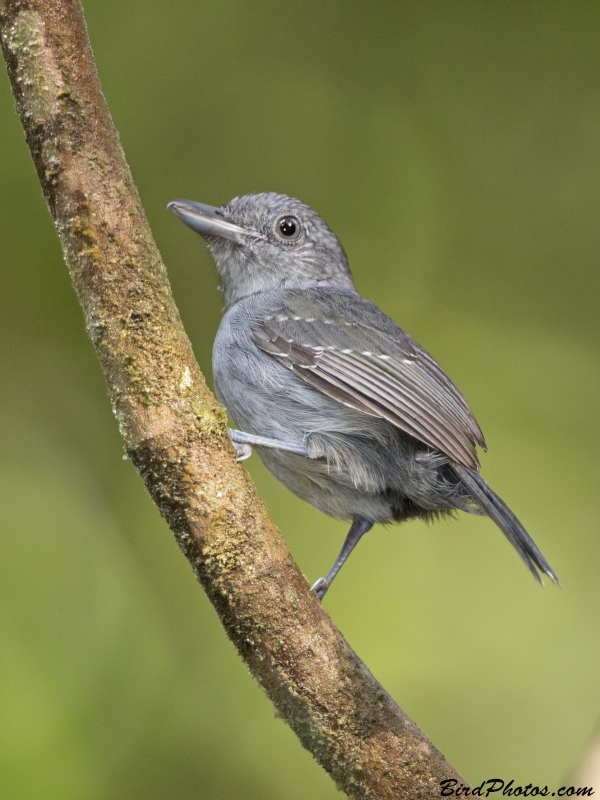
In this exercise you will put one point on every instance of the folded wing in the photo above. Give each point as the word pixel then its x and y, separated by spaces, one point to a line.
pixel 353 353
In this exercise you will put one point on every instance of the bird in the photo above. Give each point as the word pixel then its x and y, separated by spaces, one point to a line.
pixel 341 404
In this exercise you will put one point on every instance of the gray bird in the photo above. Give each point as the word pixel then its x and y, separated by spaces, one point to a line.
pixel 343 407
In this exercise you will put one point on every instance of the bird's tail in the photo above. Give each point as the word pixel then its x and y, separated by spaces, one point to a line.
pixel 492 505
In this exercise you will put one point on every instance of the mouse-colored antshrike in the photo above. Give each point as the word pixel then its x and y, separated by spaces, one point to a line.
pixel 347 410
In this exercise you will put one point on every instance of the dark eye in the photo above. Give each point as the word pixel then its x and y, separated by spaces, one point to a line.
pixel 288 228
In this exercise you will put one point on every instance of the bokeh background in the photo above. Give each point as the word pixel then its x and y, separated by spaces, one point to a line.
pixel 455 149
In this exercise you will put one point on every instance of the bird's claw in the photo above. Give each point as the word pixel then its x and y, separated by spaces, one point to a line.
pixel 319 587
pixel 244 451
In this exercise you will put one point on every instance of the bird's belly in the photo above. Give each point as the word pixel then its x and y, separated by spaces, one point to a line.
pixel 327 488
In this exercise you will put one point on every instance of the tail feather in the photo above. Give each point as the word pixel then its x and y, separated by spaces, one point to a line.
pixel 497 510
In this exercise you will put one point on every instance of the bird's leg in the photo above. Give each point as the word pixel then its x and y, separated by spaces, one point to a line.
pixel 242 442
pixel 359 526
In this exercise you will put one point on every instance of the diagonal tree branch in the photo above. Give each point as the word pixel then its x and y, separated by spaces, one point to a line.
pixel 175 432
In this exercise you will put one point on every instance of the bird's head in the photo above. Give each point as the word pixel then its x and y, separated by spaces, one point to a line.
pixel 266 241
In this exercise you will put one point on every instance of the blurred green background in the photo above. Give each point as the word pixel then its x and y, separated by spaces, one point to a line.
pixel 455 150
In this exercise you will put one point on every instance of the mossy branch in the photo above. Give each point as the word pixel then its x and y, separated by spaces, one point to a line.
pixel 175 432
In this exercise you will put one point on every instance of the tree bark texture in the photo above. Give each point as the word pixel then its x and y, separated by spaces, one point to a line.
pixel 176 433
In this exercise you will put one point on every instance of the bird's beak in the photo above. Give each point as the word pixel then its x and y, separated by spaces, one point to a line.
pixel 208 221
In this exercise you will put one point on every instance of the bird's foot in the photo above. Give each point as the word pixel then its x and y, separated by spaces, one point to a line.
pixel 244 451
pixel 319 587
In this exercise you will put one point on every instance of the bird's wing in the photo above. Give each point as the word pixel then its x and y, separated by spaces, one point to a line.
pixel 358 356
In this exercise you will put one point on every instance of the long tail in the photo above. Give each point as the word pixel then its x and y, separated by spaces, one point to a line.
pixel 496 509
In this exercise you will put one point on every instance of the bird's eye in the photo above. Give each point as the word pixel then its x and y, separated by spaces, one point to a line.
pixel 288 228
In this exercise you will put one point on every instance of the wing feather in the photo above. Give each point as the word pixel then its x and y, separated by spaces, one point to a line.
pixel 361 358
pixel 396 403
